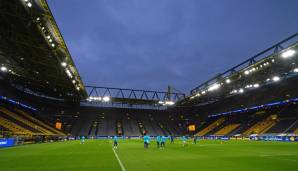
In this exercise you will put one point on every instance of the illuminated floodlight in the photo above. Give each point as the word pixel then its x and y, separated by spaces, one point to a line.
pixel 78 88
pixel 275 78
pixel 214 87
pixel 160 102
pixel 37 19
pixel 197 95
pixel 48 37
pixel 106 98
pixel 228 81
pixel 29 4
pixel 246 72
pixel 234 91
pixel 241 90
pixel 256 85
pixel 50 40
pixel 73 81
pixel 3 69
pixel 169 103
pixel 64 64
pixel 295 70
pixel 53 45
pixel 203 92
pixel 288 53
pixel 68 73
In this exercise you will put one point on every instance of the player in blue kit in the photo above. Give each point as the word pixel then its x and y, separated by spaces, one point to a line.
pixel 146 139
pixel 115 138
pixel 158 140
pixel 163 141
pixel 82 140
pixel 184 140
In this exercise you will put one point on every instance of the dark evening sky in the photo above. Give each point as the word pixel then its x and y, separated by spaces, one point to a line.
pixel 149 44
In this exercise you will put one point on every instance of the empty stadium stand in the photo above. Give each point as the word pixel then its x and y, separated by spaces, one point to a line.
pixel 227 129
pixel 210 127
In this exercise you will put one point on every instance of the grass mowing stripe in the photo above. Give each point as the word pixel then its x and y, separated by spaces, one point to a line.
pixel 119 161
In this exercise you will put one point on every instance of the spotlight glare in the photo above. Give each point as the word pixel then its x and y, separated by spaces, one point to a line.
pixel 295 70
pixel 275 78
pixel 170 103
pixel 3 69
pixel 256 85
pixel 241 90
pixel 214 87
pixel 228 81
pixel 64 64
pixel 288 53
pixel 106 99
pixel 29 4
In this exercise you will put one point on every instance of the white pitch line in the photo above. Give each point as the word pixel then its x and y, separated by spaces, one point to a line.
pixel 119 161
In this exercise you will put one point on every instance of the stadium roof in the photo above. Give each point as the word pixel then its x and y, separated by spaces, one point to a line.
pixel 272 65
pixel 33 54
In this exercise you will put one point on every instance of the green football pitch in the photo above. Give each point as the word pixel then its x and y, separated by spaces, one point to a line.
pixel 98 155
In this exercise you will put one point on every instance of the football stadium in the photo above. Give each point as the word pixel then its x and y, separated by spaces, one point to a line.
pixel 244 118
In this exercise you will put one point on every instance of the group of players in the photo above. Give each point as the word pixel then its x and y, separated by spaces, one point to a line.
pixel 160 141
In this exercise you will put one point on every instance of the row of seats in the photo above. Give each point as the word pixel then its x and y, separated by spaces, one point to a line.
pixel 211 127
pixel 22 123
pixel 262 126
pixel 49 128
pixel 227 129
pixel 16 129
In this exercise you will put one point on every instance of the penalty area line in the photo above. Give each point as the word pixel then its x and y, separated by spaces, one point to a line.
pixel 119 161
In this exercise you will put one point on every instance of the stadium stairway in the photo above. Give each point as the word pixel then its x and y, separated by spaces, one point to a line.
pixel 227 129
pixel 262 126
pixel 141 126
pixel 292 128
pixel 210 127
pixel 281 125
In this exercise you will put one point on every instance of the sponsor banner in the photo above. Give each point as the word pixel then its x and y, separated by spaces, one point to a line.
pixel 275 138
pixel 7 142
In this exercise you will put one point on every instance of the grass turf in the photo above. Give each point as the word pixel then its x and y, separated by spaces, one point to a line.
pixel 97 155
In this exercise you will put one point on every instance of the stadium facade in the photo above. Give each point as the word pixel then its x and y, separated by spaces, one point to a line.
pixel 43 97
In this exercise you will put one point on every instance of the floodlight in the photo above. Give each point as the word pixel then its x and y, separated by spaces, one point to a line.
pixel 295 70
pixel 3 69
pixel 214 87
pixel 228 81
pixel 106 99
pixel 275 78
pixel 256 85
pixel 64 64
pixel 29 4
pixel 288 53
pixel 170 103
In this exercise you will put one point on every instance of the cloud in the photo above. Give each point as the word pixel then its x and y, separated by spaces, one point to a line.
pixel 154 43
